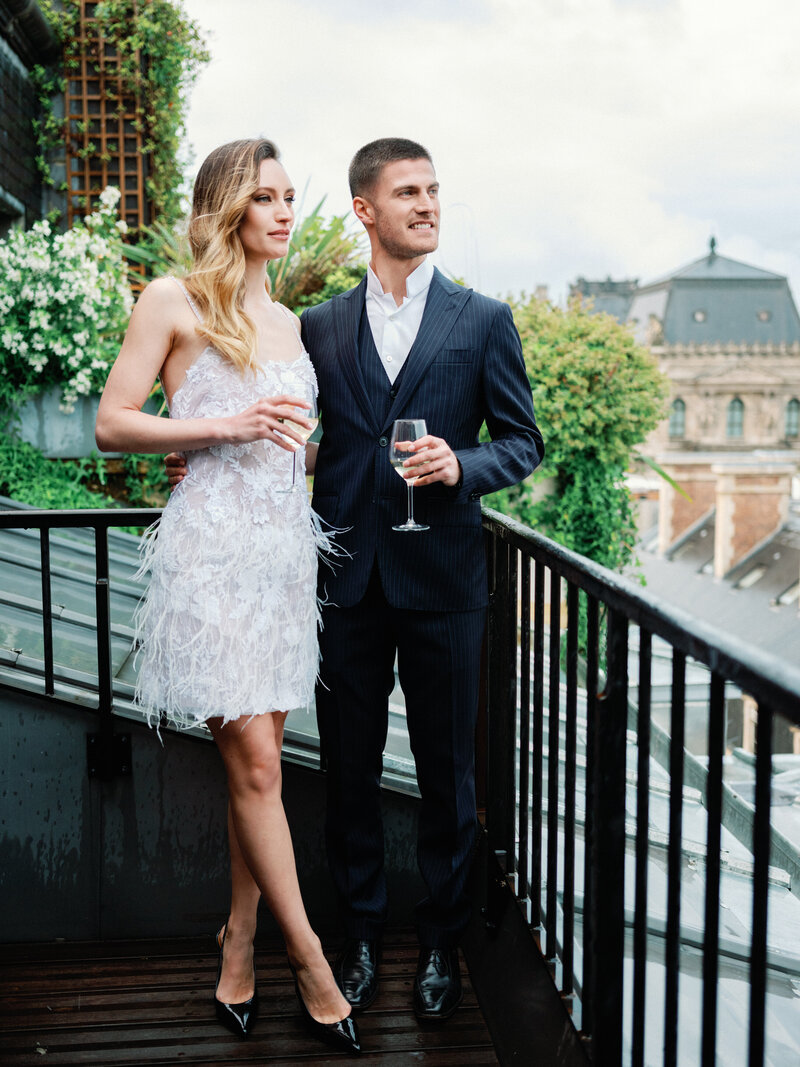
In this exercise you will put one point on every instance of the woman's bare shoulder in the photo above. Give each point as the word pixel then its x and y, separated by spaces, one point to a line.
pixel 164 302
pixel 162 293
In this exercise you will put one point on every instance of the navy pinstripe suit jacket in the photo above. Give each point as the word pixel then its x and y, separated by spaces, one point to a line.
pixel 465 367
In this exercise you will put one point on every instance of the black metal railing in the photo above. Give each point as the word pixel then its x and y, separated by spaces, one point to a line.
pixel 107 751
pixel 569 725
pixel 559 637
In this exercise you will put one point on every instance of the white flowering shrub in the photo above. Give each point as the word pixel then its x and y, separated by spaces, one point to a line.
pixel 64 306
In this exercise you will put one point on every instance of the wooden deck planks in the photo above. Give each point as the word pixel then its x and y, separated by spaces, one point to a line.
pixel 142 1004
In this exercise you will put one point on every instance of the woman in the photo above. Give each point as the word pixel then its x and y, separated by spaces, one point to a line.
pixel 227 631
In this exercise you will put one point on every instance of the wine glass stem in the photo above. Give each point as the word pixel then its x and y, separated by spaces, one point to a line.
pixel 410 488
pixel 294 467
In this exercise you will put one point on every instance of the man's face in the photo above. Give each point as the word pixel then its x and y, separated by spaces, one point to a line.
pixel 402 209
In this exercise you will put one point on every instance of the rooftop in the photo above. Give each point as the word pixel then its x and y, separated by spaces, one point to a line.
pixel 712 300
pixel 757 601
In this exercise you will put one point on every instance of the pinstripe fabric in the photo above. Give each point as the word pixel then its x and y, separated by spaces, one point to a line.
pixel 438 660
pixel 465 366
pixel 420 596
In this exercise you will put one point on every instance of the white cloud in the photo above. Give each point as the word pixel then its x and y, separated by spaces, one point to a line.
pixel 570 136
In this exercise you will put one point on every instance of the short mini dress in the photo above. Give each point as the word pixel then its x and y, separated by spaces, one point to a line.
pixel 228 625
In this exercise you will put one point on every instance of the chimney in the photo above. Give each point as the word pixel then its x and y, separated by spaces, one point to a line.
pixel 752 503
pixel 676 514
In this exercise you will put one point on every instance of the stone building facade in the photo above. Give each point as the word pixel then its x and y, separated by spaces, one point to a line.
pixel 25 40
pixel 727 335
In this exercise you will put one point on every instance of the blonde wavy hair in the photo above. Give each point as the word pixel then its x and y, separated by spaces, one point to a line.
pixel 223 189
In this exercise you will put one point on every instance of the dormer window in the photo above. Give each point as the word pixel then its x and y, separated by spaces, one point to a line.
pixel 699 315
pixel 764 315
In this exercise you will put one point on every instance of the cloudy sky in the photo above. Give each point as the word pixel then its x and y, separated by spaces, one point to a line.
pixel 570 137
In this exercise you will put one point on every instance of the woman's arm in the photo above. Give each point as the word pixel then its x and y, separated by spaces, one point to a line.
pixel 153 334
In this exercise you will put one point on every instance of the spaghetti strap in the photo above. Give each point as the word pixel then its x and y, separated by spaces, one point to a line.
pixel 292 317
pixel 191 302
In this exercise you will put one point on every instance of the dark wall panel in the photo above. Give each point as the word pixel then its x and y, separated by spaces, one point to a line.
pixel 145 855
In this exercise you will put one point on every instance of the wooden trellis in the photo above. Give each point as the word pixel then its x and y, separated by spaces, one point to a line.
pixel 103 144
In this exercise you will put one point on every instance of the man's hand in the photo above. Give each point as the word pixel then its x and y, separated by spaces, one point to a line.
pixel 177 470
pixel 434 460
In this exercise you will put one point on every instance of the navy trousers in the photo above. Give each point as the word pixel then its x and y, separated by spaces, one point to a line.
pixel 438 659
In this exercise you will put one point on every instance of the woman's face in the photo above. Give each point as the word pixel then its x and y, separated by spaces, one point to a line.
pixel 268 219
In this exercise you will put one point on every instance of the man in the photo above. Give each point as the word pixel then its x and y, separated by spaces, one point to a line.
pixel 408 343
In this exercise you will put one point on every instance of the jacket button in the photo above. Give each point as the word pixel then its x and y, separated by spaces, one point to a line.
pixel 474 496
pixel 392 393
pixel 383 441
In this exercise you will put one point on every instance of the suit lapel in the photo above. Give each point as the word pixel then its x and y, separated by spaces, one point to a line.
pixel 442 308
pixel 347 316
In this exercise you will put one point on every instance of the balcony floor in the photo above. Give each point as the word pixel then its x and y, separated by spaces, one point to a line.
pixel 143 1003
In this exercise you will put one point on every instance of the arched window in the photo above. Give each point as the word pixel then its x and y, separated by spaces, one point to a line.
pixel 677 418
pixel 793 418
pixel 734 426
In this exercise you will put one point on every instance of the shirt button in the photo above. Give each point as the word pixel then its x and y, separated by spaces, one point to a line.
pixel 388 359
pixel 383 441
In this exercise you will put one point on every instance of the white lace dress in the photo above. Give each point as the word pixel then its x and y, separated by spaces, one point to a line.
pixel 228 626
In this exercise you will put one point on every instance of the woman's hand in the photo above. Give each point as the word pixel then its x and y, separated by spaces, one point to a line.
pixel 265 420
pixel 268 420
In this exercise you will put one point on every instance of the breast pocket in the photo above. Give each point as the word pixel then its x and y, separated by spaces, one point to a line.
pixel 455 355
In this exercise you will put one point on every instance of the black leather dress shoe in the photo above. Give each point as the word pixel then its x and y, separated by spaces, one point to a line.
pixel 437 986
pixel 356 972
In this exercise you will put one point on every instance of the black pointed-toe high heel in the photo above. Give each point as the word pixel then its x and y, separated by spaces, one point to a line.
pixel 342 1035
pixel 238 1018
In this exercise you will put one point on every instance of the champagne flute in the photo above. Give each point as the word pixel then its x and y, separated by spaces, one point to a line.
pixel 404 432
pixel 311 414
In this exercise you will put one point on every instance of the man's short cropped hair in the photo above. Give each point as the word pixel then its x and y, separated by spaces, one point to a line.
pixel 369 161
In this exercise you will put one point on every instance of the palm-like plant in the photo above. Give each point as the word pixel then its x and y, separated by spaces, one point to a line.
pixel 319 249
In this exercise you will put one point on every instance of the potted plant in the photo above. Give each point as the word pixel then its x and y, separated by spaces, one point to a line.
pixel 64 306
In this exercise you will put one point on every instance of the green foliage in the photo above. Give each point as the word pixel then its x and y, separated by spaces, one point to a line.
pixel 26 476
pixel 340 280
pixel 161 250
pixel 597 395
pixel 154 51
pixel 145 481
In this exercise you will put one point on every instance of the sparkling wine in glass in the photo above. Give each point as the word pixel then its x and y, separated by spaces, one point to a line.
pixel 304 432
pixel 404 433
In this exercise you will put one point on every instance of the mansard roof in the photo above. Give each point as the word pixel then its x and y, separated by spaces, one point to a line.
pixel 716 299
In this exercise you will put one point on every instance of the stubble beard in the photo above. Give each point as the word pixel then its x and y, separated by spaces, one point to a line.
pixel 398 249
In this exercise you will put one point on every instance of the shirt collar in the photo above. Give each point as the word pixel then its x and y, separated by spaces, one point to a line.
pixel 417 282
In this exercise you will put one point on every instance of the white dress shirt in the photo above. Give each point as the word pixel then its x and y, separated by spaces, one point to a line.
pixel 394 329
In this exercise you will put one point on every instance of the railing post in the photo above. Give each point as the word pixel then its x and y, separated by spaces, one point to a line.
pixel 501 734
pixel 592 648
pixel 608 848
pixel 47 612
pixel 553 731
pixel 677 733
pixel 642 848
pixel 762 834
pixel 108 754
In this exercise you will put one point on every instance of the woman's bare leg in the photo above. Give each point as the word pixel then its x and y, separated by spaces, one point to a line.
pixel 236 981
pixel 251 754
